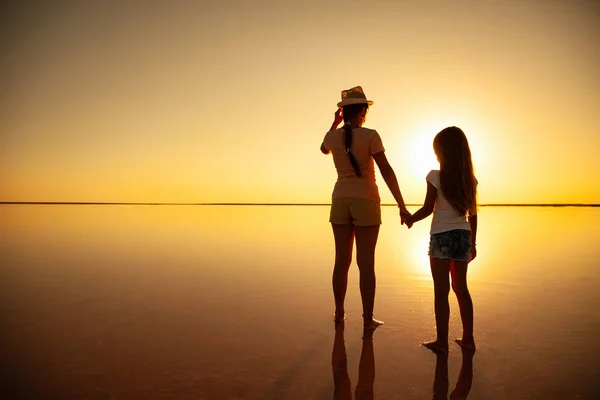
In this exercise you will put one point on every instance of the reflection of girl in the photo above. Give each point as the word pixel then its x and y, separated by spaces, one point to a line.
pixel 355 208
pixel 452 197
pixel 465 377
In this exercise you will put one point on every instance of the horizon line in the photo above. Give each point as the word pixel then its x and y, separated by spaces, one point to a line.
pixel 109 203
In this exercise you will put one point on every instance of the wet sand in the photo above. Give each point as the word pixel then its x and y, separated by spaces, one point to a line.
pixel 101 302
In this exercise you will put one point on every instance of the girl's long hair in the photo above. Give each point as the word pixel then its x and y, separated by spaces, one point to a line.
pixel 457 179
pixel 350 112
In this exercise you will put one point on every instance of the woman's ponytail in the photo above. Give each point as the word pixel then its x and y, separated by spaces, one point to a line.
pixel 348 147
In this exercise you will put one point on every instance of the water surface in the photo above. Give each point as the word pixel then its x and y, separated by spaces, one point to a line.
pixel 234 302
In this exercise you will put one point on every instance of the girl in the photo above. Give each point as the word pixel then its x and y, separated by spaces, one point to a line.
pixel 452 197
pixel 355 208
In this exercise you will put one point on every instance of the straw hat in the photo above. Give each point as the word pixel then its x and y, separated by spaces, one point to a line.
pixel 353 96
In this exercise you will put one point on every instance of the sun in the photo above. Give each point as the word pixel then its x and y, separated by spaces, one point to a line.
pixel 412 152
pixel 421 158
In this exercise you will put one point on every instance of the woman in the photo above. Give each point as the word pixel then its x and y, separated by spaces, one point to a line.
pixel 355 207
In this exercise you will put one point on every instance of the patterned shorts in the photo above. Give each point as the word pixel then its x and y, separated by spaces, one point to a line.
pixel 451 245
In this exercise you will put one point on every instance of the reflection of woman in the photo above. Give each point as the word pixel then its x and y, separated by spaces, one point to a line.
pixel 465 377
pixel 366 367
pixel 342 387
pixel 355 208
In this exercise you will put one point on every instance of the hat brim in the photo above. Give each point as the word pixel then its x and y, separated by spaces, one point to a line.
pixel 348 102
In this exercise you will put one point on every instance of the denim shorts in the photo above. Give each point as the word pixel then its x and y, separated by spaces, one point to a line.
pixel 451 245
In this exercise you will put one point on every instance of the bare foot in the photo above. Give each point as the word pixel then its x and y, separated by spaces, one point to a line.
pixel 339 317
pixel 466 344
pixel 371 324
pixel 437 347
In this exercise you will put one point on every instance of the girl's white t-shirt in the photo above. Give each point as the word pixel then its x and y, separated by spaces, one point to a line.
pixel 445 218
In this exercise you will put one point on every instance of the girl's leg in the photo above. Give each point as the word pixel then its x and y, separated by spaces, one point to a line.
pixel 366 240
pixel 458 269
pixel 344 238
pixel 441 288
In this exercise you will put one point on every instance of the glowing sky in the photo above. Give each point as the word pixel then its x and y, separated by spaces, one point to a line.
pixel 228 101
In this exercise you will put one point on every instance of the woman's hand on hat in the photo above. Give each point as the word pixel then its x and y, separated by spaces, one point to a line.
pixel 337 118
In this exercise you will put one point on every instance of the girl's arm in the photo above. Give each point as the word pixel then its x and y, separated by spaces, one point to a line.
pixel 389 176
pixel 473 223
pixel 427 208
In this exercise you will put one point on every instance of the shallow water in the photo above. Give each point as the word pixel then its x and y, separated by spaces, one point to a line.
pixel 234 302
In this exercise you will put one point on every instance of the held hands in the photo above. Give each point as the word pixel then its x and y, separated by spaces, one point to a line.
pixel 405 217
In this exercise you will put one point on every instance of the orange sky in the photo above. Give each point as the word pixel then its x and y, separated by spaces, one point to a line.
pixel 228 101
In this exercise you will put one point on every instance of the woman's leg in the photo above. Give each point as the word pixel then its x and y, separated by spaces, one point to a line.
pixel 344 238
pixel 458 269
pixel 441 288
pixel 366 240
